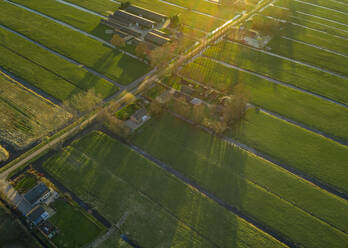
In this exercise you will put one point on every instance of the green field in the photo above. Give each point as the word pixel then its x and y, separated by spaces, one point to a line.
pixel 314 37
pixel 77 18
pixel 76 228
pixel 12 233
pixel 24 115
pixel 310 110
pixel 308 21
pixel 100 6
pixel 314 10
pixel 72 44
pixel 160 208
pixel 286 71
pixel 221 11
pixel 296 147
pixel 287 204
pixel 337 5
pixel 67 79
pixel 311 55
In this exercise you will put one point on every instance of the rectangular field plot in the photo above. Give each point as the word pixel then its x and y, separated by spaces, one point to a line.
pixel 283 202
pixel 310 110
pixel 280 69
pixel 296 147
pixel 157 209
pixel 316 10
pixel 76 228
pixel 75 17
pixel 311 55
pixel 54 75
pixel 85 50
pixel 25 116
pixel 313 37
pixel 306 20
pixel 224 11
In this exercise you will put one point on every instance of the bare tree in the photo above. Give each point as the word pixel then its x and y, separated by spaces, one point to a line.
pixel 118 41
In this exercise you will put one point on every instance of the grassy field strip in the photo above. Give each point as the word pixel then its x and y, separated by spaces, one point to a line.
pixel 205 8
pixel 316 11
pixel 278 68
pixel 231 174
pixel 312 111
pixel 104 164
pixel 315 37
pixel 319 5
pixel 34 74
pixel 70 15
pixel 103 7
pixel 315 46
pixel 72 44
pixel 330 4
pixel 298 148
pixel 308 21
pixel 309 54
pixel 71 73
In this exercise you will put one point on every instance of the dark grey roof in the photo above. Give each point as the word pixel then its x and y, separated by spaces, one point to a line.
pixel 24 206
pixel 129 18
pixel 146 13
pixel 159 32
pixel 35 214
pixel 36 193
pixel 157 39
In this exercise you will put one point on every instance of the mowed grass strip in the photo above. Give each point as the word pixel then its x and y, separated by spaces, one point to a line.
pixel 285 203
pixel 224 11
pixel 280 69
pixel 307 109
pixel 75 17
pixel 97 163
pixel 36 75
pixel 308 21
pixel 305 151
pixel 73 74
pixel 310 55
pixel 76 228
pixel 87 51
pixel 315 10
pixel 314 37
pixel 103 7
pixel 336 5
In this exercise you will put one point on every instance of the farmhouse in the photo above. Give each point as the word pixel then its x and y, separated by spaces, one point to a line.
pixel 146 13
pixel 38 194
